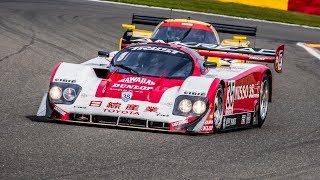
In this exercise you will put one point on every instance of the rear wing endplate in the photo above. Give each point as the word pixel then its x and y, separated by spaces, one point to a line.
pixel 223 28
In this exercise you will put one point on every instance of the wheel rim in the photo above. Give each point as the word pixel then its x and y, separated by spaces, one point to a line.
pixel 218 109
pixel 264 100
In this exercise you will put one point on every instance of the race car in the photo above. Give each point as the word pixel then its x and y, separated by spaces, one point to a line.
pixel 185 30
pixel 165 87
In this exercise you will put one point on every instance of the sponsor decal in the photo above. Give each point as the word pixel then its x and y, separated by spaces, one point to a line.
pixel 80 107
pixel 216 47
pixel 95 103
pixel 254 57
pixel 131 86
pixel 248 121
pixel 113 105
pixel 245 92
pixel 169 104
pixel 65 80
pixel 226 48
pixel 194 93
pixel 118 111
pixel 160 49
pixel 230 122
pixel 60 111
pixel 224 122
pixel 132 107
pixel 208 122
pixel 83 95
pixel 139 80
pixel 151 109
pixel 186 24
pixel 230 69
pixel 230 97
pixel 179 123
pixel 207 128
pixel 243 119
pixel 126 96
pixel 162 115
pixel 210 76
pixel 134 83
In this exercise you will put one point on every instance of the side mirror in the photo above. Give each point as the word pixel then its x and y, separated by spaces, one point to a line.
pixel 208 64
pixel 103 53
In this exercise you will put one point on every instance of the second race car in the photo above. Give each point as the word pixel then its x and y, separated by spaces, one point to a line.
pixel 185 30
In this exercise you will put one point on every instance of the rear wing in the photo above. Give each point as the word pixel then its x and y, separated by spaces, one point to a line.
pixel 231 52
pixel 234 29
pixel 243 53
pixel 147 20
pixel 223 28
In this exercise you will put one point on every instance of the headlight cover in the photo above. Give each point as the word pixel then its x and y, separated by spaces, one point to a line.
pixel 69 94
pixel 190 106
pixel 199 107
pixel 55 92
pixel 63 93
pixel 185 105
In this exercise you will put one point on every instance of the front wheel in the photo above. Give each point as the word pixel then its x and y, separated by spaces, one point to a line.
pixel 262 108
pixel 218 109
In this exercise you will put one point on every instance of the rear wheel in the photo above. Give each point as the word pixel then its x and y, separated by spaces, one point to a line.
pixel 262 108
pixel 218 109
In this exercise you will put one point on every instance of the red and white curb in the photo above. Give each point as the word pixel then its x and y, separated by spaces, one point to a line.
pixel 311 48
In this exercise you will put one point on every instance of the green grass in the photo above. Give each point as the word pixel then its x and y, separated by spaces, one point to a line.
pixel 232 9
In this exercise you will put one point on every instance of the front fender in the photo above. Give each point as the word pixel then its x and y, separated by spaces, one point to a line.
pixel 196 86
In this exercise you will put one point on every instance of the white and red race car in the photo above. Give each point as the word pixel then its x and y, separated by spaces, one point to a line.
pixel 165 87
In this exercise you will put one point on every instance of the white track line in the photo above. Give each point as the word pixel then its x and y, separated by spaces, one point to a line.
pixel 312 51
pixel 209 14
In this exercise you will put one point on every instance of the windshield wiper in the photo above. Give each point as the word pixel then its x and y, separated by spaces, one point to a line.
pixel 132 71
pixel 185 34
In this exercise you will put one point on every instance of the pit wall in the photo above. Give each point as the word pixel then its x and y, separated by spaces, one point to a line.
pixel 304 6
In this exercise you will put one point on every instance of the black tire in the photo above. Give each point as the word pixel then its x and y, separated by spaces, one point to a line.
pixel 261 109
pixel 218 109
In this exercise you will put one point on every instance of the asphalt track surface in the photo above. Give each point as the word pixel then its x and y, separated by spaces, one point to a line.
pixel 36 35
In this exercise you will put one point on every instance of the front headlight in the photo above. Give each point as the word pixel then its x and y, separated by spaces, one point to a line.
pixel 185 105
pixel 63 93
pixel 199 107
pixel 190 106
pixel 55 93
pixel 69 94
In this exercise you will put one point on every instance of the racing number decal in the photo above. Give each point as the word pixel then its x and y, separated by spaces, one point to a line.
pixel 278 63
pixel 230 97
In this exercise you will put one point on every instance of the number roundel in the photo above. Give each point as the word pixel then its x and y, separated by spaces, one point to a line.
pixel 279 61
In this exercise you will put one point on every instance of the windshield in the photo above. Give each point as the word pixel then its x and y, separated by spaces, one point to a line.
pixel 184 35
pixel 153 61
